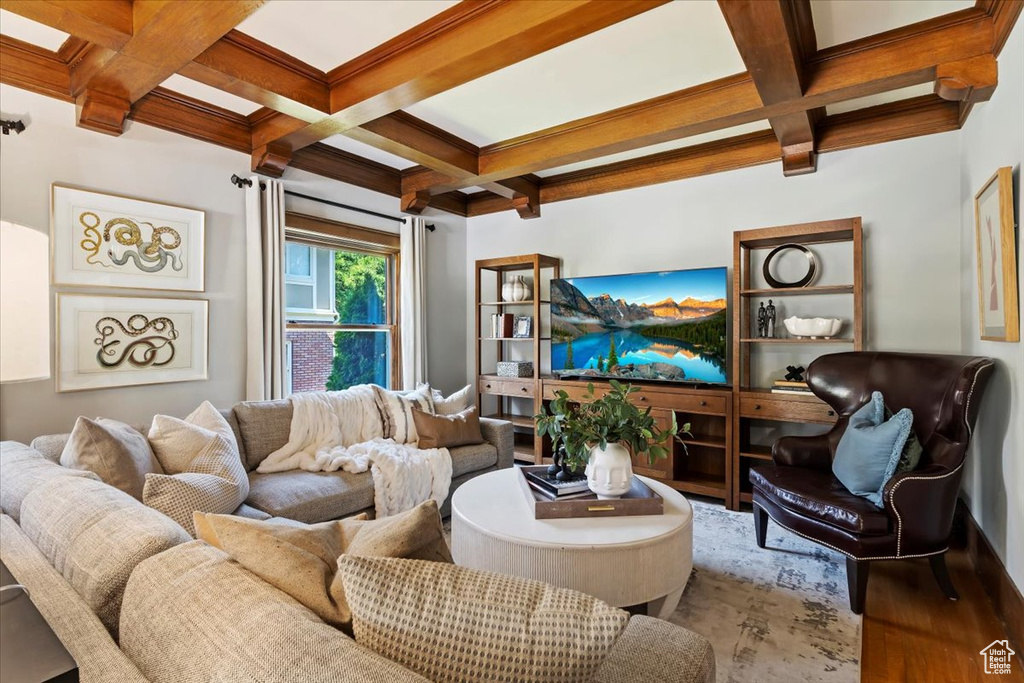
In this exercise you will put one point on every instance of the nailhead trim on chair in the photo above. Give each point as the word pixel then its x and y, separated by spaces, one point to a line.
pixel 892 492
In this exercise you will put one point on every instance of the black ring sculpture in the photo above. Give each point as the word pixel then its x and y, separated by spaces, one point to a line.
pixel 812 267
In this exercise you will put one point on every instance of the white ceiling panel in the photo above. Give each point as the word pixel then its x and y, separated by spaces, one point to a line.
pixel 328 33
pixel 206 93
pixel 669 48
pixel 840 21
pixel 663 147
pixel 367 152
pixel 872 100
pixel 19 27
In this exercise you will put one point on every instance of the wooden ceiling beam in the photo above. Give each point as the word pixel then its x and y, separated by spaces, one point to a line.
pixel 895 59
pixel 166 36
pixel 775 38
pixel 108 23
pixel 463 43
pixel 35 69
pixel 884 123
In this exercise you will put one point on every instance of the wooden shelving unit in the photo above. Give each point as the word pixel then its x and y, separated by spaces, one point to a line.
pixel 751 402
pixel 703 467
pixel 517 398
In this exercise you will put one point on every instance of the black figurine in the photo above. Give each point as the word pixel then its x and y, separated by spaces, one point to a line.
pixel 762 322
pixel 770 320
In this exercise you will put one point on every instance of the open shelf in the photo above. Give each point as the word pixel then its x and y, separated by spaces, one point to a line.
pixel 516 420
pixel 797 291
pixel 512 303
pixel 757 452
pixel 699 483
pixel 793 340
pixel 705 440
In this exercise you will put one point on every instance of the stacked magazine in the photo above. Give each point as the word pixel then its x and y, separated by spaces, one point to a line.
pixel 783 386
pixel 554 489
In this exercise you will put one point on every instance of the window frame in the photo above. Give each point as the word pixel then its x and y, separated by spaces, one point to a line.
pixel 326 234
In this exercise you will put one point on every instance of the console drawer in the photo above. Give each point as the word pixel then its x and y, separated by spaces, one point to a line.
pixel 686 403
pixel 506 386
pixel 789 411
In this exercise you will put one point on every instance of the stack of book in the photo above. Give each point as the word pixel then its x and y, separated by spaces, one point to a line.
pixel 783 386
pixel 554 489
pixel 501 325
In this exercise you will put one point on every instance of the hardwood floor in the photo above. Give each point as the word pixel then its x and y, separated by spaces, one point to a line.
pixel 912 633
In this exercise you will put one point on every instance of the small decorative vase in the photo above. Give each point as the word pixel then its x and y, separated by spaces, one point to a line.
pixel 506 291
pixel 521 290
pixel 609 471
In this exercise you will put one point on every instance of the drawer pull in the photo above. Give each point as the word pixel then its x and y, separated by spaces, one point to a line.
pixel 703 403
pixel 757 407
pixel 487 386
pixel 643 398
pixel 524 389
pixel 831 413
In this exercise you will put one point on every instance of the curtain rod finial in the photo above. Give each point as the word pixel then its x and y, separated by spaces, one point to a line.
pixel 240 182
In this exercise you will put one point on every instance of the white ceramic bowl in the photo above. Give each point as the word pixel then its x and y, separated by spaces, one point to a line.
pixel 813 327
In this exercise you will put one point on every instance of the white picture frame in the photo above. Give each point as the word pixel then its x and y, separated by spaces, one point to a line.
pixel 106 341
pixel 106 240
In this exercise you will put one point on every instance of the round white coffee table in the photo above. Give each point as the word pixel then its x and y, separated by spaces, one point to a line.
pixel 624 561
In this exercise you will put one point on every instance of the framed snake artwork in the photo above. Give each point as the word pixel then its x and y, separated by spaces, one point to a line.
pixel 116 341
pixel 106 240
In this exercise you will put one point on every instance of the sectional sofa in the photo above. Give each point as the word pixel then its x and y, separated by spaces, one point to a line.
pixel 134 598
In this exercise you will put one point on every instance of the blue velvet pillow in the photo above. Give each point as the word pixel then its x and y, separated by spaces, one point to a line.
pixel 870 450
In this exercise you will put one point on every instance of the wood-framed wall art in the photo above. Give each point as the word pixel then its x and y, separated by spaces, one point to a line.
pixel 105 240
pixel 106 341
pixel 998 312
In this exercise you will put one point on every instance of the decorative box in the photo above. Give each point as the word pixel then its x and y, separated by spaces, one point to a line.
pixel 515 368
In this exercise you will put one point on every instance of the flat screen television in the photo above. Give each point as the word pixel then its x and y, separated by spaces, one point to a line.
pixel 665 326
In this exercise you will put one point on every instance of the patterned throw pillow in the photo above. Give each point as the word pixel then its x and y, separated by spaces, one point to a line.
pixel 395 410
pixel 453 624
pixel 456 403
pixel 204 470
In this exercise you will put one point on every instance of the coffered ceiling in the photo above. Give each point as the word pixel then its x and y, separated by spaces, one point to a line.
pixel 491 105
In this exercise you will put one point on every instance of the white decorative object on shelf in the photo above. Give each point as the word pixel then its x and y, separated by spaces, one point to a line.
pixel 813 327
pixel 609 471
pixel 516 289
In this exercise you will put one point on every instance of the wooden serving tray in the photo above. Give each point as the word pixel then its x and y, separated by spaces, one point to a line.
pixel 639 500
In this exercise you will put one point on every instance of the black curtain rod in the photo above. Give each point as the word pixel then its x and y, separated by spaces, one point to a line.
pixel 247 182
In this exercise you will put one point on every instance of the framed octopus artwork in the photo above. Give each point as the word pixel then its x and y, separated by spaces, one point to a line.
pixel 118 341
pixel 104 240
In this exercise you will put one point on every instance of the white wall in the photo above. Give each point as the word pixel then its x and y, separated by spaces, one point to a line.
pixel 907 193
pixel 152 164
pixel 994 477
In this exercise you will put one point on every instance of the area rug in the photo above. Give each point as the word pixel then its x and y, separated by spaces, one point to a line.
pixel 778 614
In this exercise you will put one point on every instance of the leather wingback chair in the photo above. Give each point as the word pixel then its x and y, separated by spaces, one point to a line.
pixel 799 492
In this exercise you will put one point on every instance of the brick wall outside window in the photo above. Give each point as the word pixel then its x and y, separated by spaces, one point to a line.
pixel 312 354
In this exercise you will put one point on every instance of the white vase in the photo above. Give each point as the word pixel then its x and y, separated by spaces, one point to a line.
pixel 507 290
pixel 609 471
pixel 521 290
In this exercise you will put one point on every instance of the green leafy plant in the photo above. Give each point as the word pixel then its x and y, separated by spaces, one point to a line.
pixel 612 418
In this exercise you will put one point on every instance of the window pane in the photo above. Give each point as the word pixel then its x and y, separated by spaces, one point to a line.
pixel 335 360
pixel 361 287
pixel 297 260
pixel 298 296
pixel 324 280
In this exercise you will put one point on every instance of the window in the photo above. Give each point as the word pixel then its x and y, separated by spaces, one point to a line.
pixel 340 296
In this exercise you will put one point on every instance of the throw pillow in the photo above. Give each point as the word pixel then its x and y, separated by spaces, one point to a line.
pixel 453 624
pixel 395 411
pixel 112 450
pixel 456 403
pixel 440 431
pixel 912 450
pixel 302 559
pixel 870 449
pixel 204 469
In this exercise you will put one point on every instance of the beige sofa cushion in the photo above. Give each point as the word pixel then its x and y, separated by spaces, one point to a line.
pixel 469 459
pixel 81 632
pixel 22 469
pixel 119 454
pixel 302 560
pixel 656 651
pixel 95 535
pixel 191 614
pixel 310 497
pixel 265 427
pixel 204 470
pixel 453 624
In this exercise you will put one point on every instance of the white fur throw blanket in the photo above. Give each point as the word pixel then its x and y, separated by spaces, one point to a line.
pixel 334 430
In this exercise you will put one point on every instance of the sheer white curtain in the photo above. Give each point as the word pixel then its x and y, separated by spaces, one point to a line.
pixel 264 248
pixel 413 287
